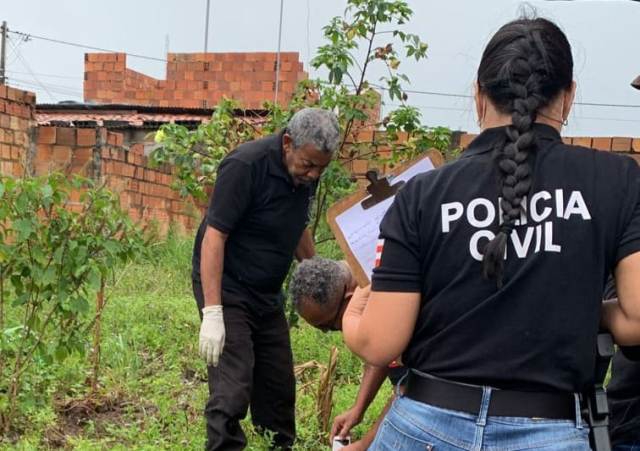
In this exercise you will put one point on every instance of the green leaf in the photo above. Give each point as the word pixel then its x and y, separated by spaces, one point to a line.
pixel 61 352
pixel 21 300
pixel 13 331
pixel 24 227
pixel 112 246
pixel 160 136
pixel 58 255
pixel 49 276
pixel 79 304
pixel 47 190
pixel 79 270
pixel 93 279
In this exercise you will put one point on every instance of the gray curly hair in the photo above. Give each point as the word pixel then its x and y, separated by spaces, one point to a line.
pixel 317 127
pixel 317 279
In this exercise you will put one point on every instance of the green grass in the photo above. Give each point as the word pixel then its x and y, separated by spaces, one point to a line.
pixel 153 387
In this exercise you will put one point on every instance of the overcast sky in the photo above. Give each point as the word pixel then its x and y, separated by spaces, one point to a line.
pixel 605 36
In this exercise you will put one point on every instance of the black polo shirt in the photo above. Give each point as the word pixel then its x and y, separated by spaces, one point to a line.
pixel 255 202
pixel 623 390
pixel 538 332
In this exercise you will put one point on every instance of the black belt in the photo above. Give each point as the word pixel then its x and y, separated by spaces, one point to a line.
pixel 504 403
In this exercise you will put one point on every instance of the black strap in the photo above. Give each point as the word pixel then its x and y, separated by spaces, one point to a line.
pixel 504 403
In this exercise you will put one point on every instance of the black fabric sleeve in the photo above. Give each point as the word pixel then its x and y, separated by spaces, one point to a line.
pixel 399 269
pixel 231 195
pixel 631 352
pixel 630 238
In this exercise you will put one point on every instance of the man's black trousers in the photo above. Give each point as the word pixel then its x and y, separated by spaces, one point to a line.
pixel 255 370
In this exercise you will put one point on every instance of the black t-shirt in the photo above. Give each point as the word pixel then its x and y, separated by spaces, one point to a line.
pixel 538 332
pixel 255 202
pixel 623 390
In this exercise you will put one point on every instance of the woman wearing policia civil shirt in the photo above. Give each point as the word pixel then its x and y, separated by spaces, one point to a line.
pixel 495 304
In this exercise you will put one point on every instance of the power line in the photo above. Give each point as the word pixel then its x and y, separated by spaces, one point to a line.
pixel 467 96
pixel 468 110
pixel 90 47
pixel 27 36
pixel 308 33
pixel 616 119
pixel 275 100
pixel 443 108
pixel 52 85
pixel 3 53
pixel 30 86
pixel 26 66
pixel 615 105
pixel 206 27
pixel 13 51
pixel 46 75
pixel 440 94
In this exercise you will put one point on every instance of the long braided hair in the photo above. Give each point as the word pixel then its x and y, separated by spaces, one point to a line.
pixel 524 67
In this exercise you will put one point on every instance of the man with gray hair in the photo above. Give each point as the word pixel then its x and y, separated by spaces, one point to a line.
pixel 321 290
pixel 255 225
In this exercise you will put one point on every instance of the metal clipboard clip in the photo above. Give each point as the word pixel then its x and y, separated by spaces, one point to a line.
pixel 379 189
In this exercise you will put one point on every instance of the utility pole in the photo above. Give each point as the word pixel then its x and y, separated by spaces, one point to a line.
pixel 3 54
pixel 275 101
pixel 206 27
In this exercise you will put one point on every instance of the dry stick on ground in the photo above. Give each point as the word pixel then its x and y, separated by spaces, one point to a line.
pixel 300 369
pixel 22 358
pixel 326 384
pixel 3 420
pixel 1 315
pixel 96 336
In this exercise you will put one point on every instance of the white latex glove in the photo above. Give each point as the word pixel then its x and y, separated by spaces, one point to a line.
pixel 212 334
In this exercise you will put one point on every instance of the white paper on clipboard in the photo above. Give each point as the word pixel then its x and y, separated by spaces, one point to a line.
pixel 361 227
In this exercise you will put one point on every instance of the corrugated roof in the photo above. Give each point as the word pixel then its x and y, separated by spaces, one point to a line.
pixel 140 108
pixel 128 116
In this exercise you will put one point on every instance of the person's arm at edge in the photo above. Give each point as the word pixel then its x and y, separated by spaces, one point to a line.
pixel 366 319
pixel 305 248
pixel 212 330
pixel 212 265
pixel 622 316
pixel 367 439
pixel 372 379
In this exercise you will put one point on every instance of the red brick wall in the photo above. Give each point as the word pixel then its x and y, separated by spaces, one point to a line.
pixel 193 80
pixel 29 150
pixel 630 146
pixel 17 122
pixel 144 192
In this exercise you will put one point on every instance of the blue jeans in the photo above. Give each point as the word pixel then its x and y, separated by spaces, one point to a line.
pixel 412 425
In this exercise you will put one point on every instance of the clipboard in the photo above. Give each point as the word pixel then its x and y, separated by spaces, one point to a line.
pixel 355 220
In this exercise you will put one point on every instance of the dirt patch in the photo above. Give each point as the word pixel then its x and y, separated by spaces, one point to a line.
pixel 103 411
pixel 191 375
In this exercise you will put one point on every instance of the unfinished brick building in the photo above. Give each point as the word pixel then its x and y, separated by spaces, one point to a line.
pixel 193 80
pixel 107 137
